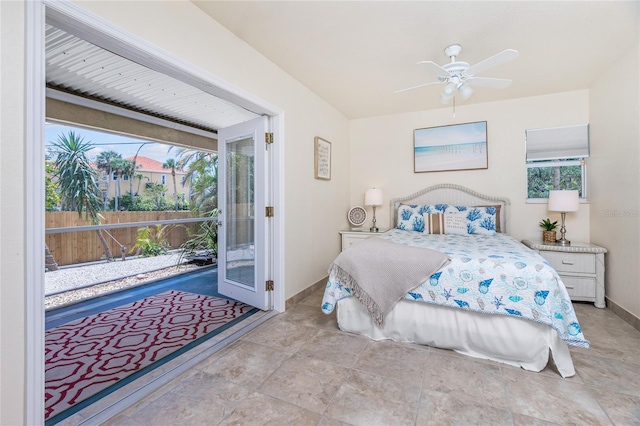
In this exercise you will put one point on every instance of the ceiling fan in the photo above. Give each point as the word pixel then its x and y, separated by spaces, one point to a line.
pixel 457 76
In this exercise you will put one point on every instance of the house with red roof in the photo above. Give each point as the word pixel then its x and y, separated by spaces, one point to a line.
pixel 148 171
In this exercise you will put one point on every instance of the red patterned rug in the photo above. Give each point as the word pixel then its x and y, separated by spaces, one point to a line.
pixel 91 354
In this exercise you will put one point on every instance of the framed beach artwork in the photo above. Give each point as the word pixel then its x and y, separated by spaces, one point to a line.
pixel 454 147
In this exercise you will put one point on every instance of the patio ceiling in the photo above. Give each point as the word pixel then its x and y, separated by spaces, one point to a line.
pixel 78 67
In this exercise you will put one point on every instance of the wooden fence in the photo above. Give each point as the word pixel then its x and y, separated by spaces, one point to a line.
pixel 79 247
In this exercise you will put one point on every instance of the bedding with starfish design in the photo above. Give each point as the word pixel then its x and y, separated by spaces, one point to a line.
pixel 492 274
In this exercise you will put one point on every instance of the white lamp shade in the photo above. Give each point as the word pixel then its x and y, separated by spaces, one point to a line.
pixel 373 197
pixel 564 201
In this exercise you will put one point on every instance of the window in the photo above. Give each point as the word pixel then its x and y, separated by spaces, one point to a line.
pixel 183 180
pixel 125 177
pixel 163 179
pixel 556 159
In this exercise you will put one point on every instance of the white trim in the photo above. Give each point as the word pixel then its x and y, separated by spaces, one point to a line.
pixel 279 208
pixel 134 115
pixel 34 212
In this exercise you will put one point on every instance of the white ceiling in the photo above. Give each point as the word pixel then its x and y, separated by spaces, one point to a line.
pixel 354 54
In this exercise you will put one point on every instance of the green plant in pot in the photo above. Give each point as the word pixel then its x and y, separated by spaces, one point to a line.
pixel 548 233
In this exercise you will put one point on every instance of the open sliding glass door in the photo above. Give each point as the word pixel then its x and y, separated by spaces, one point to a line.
pixel 244 230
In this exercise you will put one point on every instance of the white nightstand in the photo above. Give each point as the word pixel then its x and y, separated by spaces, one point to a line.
pixel 580 265
pixel 350 238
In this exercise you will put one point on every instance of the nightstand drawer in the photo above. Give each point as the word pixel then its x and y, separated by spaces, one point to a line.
pixel 580 288
pixel 349 240
pixel 584 263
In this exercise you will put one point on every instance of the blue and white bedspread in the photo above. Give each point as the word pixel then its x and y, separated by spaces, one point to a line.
pixel 490 274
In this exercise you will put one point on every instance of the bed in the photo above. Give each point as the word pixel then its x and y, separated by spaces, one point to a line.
pixel 495 299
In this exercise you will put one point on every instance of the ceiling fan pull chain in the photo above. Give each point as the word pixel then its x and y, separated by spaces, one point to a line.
pixel 454 107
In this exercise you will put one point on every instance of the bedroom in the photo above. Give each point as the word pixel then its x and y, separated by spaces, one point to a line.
pixel 612 115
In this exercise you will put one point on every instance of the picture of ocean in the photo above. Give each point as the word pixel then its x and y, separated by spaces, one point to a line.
pixel 458 147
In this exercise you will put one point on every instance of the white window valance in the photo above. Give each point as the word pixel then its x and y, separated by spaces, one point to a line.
pixel 557 143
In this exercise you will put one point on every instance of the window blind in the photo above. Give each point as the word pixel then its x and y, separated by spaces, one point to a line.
pixel 557 143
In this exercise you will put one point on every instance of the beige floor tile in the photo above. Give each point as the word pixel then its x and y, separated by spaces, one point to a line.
pixel 176 408
pixel 120 420
pixel 327 421
pixel 394 360
pixel 438 408
pixel 622 409
pixel 309 315
pixel 248 365
pixel 607 373
pixel 465 377
pixel 368 399
pixel 206 386
pixel 522 420
pixel 260 409
pixel 553 400
pixel 336 347
pixel 305 382
pixel 282 335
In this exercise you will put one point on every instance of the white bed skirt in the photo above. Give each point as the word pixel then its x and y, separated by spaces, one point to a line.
pixel 510 340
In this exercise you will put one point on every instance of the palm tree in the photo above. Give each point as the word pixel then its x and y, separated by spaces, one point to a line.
pixel 119 166
pixel 104 161
pixel 171 164
pixel 202 172
pixel 77 180
pixel 129 170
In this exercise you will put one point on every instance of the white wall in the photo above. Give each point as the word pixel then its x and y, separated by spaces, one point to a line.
pixel 186 31
pixel 615 178
pixel 382 156
pixel 12 224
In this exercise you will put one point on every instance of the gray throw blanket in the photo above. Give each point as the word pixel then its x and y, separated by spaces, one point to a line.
pixel 381 272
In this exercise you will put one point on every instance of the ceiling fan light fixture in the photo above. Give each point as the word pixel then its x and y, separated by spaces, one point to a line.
pixel 446 98
pixel 449 89
pixel 465 92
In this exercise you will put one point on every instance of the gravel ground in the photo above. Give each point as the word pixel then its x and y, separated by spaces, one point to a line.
pixel 68 278
pixel 71 284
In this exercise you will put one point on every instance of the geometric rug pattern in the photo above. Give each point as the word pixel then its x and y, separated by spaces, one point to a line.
pixel 90 354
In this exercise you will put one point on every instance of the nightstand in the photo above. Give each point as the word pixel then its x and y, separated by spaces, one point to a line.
pixel 580 265
pixel 350 238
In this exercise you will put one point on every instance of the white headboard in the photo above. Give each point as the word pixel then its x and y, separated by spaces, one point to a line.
pixel 455 195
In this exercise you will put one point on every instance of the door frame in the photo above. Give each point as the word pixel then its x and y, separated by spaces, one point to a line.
pixel 105 33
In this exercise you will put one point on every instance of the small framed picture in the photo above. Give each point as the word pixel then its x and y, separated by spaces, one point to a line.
pixel 322 159
pixel 454 147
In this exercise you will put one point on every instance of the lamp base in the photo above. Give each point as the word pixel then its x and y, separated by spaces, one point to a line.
pixel 563 242
pixel 373 229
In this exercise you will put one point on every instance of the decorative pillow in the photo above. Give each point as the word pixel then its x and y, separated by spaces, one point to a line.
pixel 410 217
pixel 447 223
pixel 483 219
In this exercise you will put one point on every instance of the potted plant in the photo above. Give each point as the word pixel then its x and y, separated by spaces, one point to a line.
pixel 548 233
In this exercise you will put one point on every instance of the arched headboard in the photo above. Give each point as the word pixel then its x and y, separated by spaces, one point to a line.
pixel 455 195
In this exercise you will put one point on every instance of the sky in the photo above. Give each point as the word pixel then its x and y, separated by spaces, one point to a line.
pixel 447 135
pixel 124 145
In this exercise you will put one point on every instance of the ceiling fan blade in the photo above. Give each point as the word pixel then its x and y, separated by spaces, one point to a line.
pixel 434 68
pixel 496 83
pixel 418 86
pixel 500 58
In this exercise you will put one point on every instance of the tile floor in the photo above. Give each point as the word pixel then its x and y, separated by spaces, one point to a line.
pixel 299 369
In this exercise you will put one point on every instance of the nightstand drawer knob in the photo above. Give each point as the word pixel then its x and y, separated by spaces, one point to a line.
pixel 567 262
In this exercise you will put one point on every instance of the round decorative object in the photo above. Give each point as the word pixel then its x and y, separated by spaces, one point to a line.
pixel 357 216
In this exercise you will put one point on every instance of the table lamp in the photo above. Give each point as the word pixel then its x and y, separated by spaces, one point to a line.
pixel 373 197
pixel 563 201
